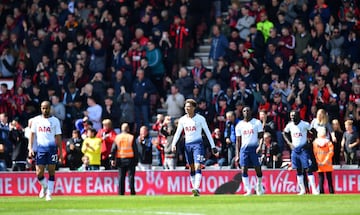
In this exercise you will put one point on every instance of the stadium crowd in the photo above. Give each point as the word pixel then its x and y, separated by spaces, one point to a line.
pixel 103 63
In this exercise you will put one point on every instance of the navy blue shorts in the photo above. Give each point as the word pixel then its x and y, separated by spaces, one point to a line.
pixel 300 159
pixel 194 153
pixel 49 157
pixel 249 157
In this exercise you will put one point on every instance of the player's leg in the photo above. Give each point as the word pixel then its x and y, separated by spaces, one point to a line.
pixel 296 164
pixel 51 181
pixel 198 155
pixel 305 158
pixel 40 168
pixel 190 161
pixel 244 163
pixel 254 157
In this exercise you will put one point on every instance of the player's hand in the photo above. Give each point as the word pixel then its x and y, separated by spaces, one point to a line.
pixel 113 163
pixel 31 153
pixel 173 149
pixel 215 152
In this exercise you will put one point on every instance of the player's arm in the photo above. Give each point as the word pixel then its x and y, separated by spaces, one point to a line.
pixel 30 145
pixel 286 136
pixel 176 136
pixel 237 149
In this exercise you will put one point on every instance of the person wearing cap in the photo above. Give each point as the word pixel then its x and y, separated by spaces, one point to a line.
pixel 91 147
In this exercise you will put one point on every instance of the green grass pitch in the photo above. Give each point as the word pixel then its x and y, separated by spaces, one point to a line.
pixel 183 205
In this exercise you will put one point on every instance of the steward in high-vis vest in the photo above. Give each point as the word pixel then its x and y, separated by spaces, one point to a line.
pixel 124 157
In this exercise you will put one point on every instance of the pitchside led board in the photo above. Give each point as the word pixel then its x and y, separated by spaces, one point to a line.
pixel 168 182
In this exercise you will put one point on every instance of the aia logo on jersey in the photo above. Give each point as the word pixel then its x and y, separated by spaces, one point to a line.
pixel 297 135
pixel 44 129
pixel 248 132
pixel 190 128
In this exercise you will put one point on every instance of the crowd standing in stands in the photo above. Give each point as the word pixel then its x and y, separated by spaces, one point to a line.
pixel 97 60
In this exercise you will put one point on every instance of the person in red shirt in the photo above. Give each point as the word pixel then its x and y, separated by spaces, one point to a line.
pixel 107 134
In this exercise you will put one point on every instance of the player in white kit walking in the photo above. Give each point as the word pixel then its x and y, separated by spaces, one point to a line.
pixel 47 130
pixel 193 124
pixel 249 132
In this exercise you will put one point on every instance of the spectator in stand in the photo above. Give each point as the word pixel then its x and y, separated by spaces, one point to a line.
pixel 91 148
pixel 70 96
pixel 271 156
pixel 4 135
pixel 73 150
pixel 20 100
pixel 257 44
pixel 168 130
pixel 97 58
pixel 230 137
pixel 127 109
pixel 141 91
pixel 185 83
pixel 99 87
pixel 198 72
pixel 7 63
pixel 93 112
pixel 324 151
pixel 58 109
pixel 297 130
pixel 302 38
pixel 167 50
pixel 80 77
pixel 112 111
pixel 334 43
pixel 174 103
pixel 220 115
pixel 2 156
pixel 336 137
pixel 278 113
pixel 107 134
pixel 124 155
pixel 153 54
pixel 144 145
pixel 286 44
pixel 161 139
pixel 219 44
pixel 19 144
pixel 350 142
pixel 243 24
pixel 221 158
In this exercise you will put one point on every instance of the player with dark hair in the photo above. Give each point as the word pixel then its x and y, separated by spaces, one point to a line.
pixel 47 130
pixel 248 133
pixel 193 124
pixel 295 135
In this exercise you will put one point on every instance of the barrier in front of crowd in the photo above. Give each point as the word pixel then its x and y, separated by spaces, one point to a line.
pixel 168 182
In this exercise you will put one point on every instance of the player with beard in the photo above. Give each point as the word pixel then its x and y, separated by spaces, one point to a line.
pixel 248 133
pixel 47 130
pixel 295 135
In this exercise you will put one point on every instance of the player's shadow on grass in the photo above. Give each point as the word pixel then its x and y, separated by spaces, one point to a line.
pixel 231 186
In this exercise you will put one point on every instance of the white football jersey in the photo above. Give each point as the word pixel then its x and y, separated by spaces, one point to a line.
pixel 298 133
pixel 249 132
pixel 45 130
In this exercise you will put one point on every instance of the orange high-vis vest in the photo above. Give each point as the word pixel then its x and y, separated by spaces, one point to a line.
pixel 323 151
pixel 124 143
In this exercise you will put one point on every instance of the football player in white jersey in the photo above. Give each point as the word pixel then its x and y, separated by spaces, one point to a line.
pixel 295 135
pixel 193 124
pixel 249 132
pixel 47 131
